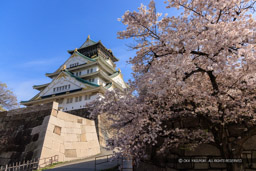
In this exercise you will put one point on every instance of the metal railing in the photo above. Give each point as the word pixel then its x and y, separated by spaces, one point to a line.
pixel 48 161
pixel 21 166
pixel 124 167
pixel 30 165
pixel 109 158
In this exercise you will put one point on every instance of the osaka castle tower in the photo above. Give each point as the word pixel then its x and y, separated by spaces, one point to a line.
pixel 85 76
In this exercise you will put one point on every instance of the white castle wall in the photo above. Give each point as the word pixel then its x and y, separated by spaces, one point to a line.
pixel 77 105
pixel 109 62
pixel 119 80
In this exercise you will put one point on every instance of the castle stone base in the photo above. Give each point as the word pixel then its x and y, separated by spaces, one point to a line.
pixel 42 132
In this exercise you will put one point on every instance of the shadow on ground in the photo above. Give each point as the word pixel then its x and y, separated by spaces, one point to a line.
pixel 87 166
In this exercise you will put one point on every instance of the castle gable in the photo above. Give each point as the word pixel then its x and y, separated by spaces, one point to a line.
pixel 63 83
pixel 88 42
pixel 118 78
pixel 75 60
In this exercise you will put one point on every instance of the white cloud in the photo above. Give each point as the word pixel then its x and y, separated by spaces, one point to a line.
pixel 41 62
pixel 32 63
pixel 24 89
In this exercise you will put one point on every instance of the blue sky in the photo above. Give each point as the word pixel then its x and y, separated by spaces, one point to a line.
pixel 35 36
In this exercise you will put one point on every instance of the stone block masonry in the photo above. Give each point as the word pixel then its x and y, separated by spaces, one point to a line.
pixel 70 137
pixel 43 131
pixel 22 133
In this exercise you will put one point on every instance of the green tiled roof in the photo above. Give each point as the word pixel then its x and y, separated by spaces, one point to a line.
pixel 108 85
pixel 80 79
pixel 61 93
pixel 88 42
pixel 42 85
pixel 104 62
pixel 24 101
pixel 84 56
pixel 70 74
pixel 115 74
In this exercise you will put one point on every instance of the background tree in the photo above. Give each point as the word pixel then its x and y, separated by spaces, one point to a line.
pixel 200 65
pixel 7 99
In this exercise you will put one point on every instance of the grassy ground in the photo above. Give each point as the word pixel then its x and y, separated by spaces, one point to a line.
pixel 50 166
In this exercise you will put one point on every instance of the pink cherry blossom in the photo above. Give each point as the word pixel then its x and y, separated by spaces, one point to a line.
pixel 198 66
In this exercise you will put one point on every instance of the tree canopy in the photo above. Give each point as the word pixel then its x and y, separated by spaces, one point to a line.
pixel 7 99
pixel 200 64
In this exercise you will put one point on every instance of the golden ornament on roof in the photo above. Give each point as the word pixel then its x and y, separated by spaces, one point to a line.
pixel 88 37
pixel 64 67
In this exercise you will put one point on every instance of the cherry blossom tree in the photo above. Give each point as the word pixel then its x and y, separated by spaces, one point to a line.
pixel 199 65
pixel 7 99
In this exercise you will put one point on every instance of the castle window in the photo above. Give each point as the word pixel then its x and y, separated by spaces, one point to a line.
pixel 74 65
pixel 91 80
pixel 60 101
pixel 69 86
pixel 87 97
pixel 61 88
pixel 80 98
pixel 76 99
pixel 80 73
pixel 69 100
pixel 89 71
